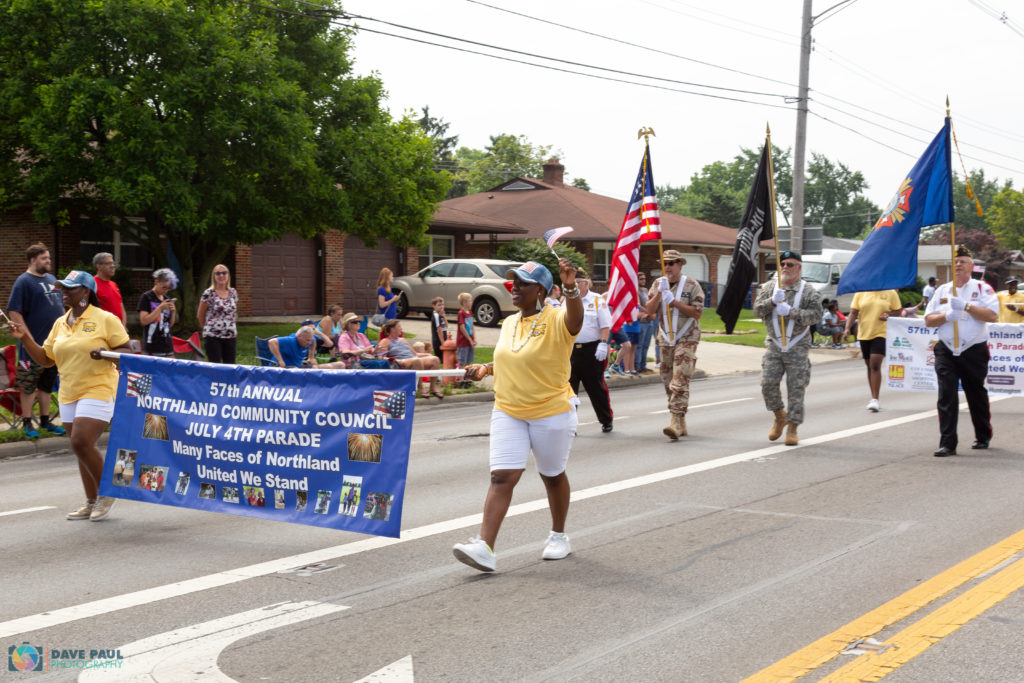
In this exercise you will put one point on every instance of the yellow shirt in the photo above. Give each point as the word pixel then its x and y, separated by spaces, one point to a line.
pixel 533 381
pixel 1005 314
pixel 69 346
pixel 870 305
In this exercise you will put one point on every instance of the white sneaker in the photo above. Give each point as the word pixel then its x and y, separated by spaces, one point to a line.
pixel 476 554
pixel 557 546
pixel 873 405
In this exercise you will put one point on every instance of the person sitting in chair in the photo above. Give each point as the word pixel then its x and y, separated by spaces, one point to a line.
pixel 294 350
pixel 393 346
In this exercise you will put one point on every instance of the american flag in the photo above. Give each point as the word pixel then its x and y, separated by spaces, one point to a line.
pixel 389 403
pixel 641 223
pixel 138 384
pixel 553 235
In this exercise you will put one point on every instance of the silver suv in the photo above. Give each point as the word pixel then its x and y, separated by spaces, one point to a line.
pixel 483 279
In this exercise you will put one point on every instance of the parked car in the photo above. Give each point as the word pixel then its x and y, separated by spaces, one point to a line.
pixel 483 279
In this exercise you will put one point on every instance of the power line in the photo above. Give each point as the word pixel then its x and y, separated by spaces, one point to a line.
pixel 629 43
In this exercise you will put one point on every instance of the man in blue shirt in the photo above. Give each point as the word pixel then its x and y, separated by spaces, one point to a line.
pixel 36 304
pixel 295 349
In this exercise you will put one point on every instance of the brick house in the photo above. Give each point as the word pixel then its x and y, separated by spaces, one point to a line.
pixel 299 277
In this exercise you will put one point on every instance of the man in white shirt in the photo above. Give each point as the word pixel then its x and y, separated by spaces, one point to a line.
pixel 590 351
pixel 961 354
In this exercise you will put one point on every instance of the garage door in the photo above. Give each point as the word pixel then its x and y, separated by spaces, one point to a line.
pixel 286 277
pixel 362 267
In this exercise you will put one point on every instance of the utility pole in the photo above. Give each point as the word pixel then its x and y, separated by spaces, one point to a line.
pixel 796 235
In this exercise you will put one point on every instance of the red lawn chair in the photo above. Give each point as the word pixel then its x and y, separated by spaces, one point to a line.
pixel 190 348
pixel 10 397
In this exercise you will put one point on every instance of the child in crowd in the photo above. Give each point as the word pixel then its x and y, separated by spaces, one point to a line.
pixel 438 327
pixel 465 337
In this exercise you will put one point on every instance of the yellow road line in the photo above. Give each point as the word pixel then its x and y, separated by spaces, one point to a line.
pixel 823 650
pixel 922 634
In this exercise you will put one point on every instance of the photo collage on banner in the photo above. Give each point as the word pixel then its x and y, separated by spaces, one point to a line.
pixel 317 447
pixel 910 357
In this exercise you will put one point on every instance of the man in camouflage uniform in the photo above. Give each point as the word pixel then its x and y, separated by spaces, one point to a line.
pixel 794 307
pixel 678 303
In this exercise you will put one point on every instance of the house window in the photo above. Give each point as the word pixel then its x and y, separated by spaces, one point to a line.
pixel 602 261
pixel 96 237
pixel 440 247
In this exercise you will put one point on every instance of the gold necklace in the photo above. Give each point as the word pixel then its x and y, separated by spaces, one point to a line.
pixel 529 335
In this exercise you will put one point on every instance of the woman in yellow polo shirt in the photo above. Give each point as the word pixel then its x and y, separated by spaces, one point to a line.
pixel 87 386
pixel 873 309
pixel 534 406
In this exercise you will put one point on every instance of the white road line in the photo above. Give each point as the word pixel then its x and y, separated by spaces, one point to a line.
pixel 24 510
pixel 708 405
pixel 190 653
pixel 396 672
pixel 95 608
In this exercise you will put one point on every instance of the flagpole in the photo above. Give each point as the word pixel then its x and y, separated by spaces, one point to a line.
pixel 775 231
pixel 952 247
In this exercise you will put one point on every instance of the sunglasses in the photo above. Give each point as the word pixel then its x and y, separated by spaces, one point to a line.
pixel 673 263
pixel 220 272
pixel 790 265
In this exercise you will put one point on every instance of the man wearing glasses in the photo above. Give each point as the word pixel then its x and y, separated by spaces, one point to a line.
pixel 107 290
pixel 793 308
pixel 678 303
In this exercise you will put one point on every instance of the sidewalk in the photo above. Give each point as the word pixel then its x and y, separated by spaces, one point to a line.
pixel 713 359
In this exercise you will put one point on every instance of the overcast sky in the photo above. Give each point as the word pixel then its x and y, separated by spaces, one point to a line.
pixel 882 68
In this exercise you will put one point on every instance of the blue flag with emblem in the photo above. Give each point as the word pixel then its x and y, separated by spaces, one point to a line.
pixel 888 257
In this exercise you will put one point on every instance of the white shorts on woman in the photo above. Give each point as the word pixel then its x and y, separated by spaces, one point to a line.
pixel 86 407
pixel 550 439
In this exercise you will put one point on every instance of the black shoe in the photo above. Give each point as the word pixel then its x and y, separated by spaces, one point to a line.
pixel 944 451
pixel 606 428
pixel 979 445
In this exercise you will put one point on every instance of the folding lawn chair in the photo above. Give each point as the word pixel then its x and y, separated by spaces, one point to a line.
pixel 263 354
pixel 190 348
pixel 10 397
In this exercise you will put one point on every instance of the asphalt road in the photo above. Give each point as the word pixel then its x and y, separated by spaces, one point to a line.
pixel 710 559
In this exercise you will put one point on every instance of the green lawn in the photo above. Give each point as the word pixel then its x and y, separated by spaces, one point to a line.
pixel 749 330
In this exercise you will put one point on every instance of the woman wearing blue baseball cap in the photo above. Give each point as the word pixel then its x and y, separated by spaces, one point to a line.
pixel 87 382
pixel 534 406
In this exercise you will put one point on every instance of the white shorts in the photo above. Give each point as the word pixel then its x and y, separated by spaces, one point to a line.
pixel 86 407
pixel 550 439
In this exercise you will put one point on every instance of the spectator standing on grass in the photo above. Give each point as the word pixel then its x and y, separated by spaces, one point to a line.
pixel 872 309
pixel 387 301
pixel 35 304
pixel 465 335
pixel 438 326
pixel 218 315
pixel 157 314
pixel 107 291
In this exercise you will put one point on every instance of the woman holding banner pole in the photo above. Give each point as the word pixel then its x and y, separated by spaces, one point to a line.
pixel 534 406
pixel 87 383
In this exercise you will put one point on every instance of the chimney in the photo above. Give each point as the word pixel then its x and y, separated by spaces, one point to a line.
pixel 553 172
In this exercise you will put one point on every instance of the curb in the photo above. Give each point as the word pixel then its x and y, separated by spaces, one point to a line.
pixel 17 449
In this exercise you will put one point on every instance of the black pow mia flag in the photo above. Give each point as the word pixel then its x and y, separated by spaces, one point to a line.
pixel 755 227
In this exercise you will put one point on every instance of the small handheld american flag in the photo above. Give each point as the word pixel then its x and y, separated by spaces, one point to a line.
pixel 553 235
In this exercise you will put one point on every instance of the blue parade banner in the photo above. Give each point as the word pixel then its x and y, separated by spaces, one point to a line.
pixel 317 447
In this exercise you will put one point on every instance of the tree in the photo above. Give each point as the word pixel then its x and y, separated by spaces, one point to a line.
pixel 833 198
pixel 506 157
pixel 444 150
pixel 984 245
pixel 537 250
pixel 718 194
pixel 1006 217
pixel 196 126
pixel 581 183
pixel 965 207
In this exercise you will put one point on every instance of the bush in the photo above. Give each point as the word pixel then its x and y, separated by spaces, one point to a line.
pixel 909 297
pixel 537 250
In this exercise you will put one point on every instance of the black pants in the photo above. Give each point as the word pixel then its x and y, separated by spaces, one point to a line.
pixel 969 369
pixel 590 370
pixel 220 350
